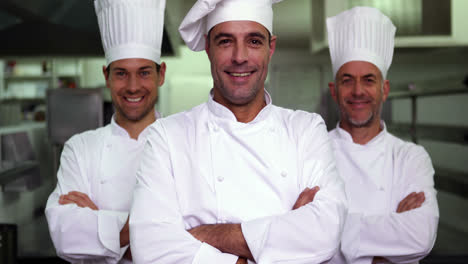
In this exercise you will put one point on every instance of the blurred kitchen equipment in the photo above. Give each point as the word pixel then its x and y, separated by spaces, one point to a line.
pixel 8 244
pixel 72 111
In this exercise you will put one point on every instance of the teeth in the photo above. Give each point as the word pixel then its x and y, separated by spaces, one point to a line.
pixel 240 74
pixel 134 100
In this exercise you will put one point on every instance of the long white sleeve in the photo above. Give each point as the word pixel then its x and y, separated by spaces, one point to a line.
pixel 310 234
pixel 81 233
pixel 399 237
pixel 157 230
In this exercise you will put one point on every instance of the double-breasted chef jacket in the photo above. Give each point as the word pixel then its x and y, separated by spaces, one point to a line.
pixel 377 176
pixel 101 163
pixel 203 167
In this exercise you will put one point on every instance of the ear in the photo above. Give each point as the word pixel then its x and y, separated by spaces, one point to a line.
pixel 333 92
pixel 162 74
pixel 386 90
pixel 272 45
pixel 207 45
pixel 106 76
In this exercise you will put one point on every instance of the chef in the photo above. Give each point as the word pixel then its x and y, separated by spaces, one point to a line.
pixel 88 211
pixel 236 178
pixel 393 212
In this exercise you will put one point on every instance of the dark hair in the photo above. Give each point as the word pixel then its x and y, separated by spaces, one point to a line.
pixel 158 68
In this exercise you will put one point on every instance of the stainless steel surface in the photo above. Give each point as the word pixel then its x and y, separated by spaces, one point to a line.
pixel 72 111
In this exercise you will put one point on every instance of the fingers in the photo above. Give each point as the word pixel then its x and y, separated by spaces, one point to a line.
pixel 78 198
pixel 412 201
pixel 306 196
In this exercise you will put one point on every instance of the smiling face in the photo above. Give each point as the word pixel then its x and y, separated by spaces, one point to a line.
pixel 239 52
pixel 359 92
pixel 134 87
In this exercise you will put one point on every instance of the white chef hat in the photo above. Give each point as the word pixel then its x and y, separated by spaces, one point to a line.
pixel 206 14
pixel 361 34
pixel 131 28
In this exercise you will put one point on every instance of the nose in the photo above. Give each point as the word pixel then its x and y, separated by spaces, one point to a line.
pixel 358 88
pixel 133 83
pixel 240 54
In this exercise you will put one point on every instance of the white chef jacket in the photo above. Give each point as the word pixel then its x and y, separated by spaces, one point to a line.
pixel 101 163
pixel 204 167
pixel 377 177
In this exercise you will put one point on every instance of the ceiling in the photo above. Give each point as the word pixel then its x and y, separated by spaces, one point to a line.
pixel 69 27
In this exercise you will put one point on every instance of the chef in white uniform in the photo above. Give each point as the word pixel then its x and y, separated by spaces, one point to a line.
pixel 393 212
pixel 88 211
pixel 237 177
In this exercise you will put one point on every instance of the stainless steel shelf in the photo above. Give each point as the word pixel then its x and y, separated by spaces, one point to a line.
pixel 9 172
pixel 451 181
pixel 453 134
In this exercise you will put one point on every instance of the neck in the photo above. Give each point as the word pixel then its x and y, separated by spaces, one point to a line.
pixel 246 112
pixel 134 128
pixel 362 135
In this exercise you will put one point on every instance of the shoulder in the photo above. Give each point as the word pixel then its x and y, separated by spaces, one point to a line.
pixel 298 119
pixel 90 138
pixel 179 123
pixel 300 123
pixel 405 150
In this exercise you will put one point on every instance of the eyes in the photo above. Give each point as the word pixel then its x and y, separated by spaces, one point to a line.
pixel 252 42
pixel 121 74
pixel 364 81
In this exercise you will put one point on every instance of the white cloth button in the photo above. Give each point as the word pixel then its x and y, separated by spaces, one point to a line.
pixel 381 188
pixel 109 145
pixel 103 181
pixel 284 174
pixel 220 178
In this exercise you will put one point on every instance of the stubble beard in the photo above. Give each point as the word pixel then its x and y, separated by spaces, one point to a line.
pixel 374 113
pixel 139 117
pixel 232 94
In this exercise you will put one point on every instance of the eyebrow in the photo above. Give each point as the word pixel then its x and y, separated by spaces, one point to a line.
pixel 141 68
pixel 365 76
pixel 228 35
pixel 370 75
pixel 223 35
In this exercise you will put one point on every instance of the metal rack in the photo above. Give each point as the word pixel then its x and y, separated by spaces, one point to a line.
pixel 452 181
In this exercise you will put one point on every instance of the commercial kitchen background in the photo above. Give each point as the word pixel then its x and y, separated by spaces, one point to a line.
pixel 46 45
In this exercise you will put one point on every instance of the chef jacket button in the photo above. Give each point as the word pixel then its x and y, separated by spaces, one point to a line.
pixel 284 174
pixel 220 178
pixel 381 188
pixel 103 181
pixel 109 145
pixel 215 128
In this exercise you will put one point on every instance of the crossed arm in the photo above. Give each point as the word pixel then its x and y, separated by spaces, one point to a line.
pixel 228 238
pixel 412 201
pixel 82 200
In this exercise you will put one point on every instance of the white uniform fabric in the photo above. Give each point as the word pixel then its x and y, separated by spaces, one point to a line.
pixel 377 176
pixel 204 167
pixel 361 34
pixel 131 28
pixel 101 163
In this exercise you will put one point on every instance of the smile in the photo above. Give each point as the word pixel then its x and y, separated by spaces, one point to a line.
pixel 134 100
pixel 240 74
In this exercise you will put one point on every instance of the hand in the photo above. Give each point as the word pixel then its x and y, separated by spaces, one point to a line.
pixel 227 238
pixel 412 201
pixel 78 198
pixel 201 232
pixel 306 196
pixel 128 254
pixel 377 260
pixel 241 261
pixel 125 235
